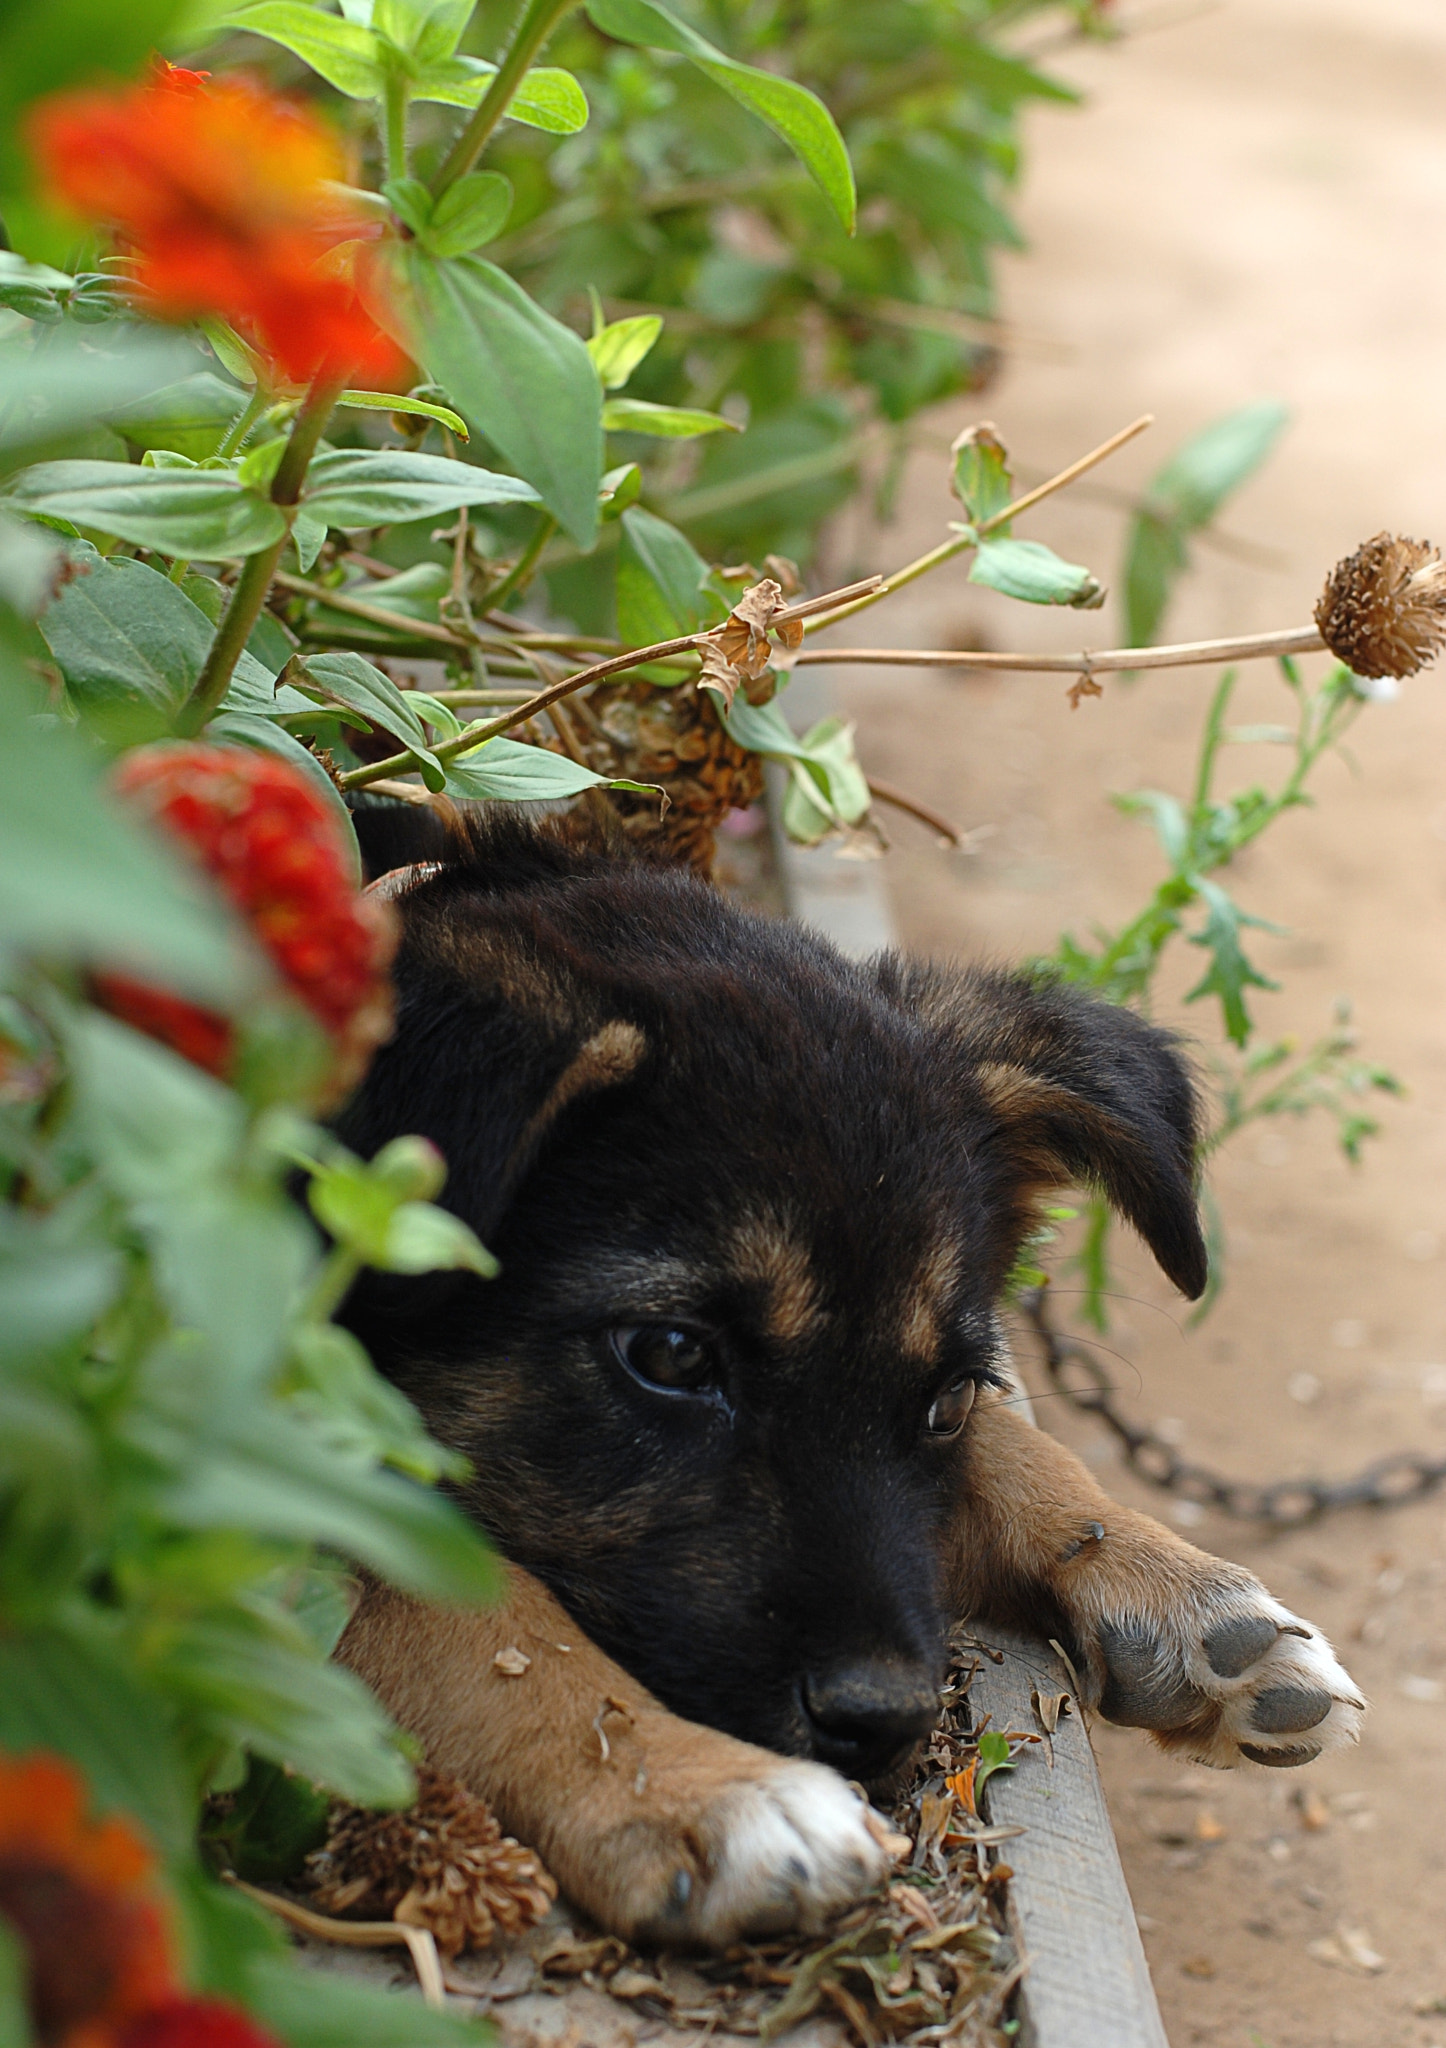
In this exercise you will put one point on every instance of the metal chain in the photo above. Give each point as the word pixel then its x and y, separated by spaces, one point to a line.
pixel 1286 1504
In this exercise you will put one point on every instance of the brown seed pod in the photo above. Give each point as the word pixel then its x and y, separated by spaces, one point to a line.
pixel 443 1864
pixel 1383 609
pixel 675 738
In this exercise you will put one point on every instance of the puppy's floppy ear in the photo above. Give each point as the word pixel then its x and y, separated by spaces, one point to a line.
pixel 1082 1091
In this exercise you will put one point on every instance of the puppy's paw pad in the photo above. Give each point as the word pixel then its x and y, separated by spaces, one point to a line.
pixel 785 1852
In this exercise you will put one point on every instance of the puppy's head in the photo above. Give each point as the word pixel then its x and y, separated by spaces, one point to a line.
pixel 754 1207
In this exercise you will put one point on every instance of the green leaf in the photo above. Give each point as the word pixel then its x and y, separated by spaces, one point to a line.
pixel 253 1678
pixel 318 2009
pixel 308 537
pixel 618 347
pixel 270 1825
pixel 671 422
pixel 798 116
pixel 388 401
pixel 75 1697
pixel 330 1380
pixel 124 636
pixel 62 389
pixel 1168 818
pixel 79 881
pixel 268 1474
pixel 661 578
pixel 1035 574
pixel 351 679
pixel 14 1988
pixel 519 375
pixel 343 53
pixel 30 561
pixel 469 213
pixel 358 1207
pixel 1229 974
pixel 508 771
pixel 547 98
pixel 1184 497
pixel 193 513
pixel 385 486
pixel 829 746
pixel 982 482
pixel 191 417
pixel 993 1756
pixel 829 765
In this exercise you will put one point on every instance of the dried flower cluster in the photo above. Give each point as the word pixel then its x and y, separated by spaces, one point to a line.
pixel 1383 609
pixel 677 740
pixel 444 1865
pixel 739 654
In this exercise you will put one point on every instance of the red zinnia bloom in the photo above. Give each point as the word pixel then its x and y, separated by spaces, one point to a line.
pixel 268 838
pixel 79 1896
pixel 219 193
pixel 196 2023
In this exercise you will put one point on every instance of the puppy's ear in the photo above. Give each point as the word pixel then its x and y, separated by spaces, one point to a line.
pixel 1081 1091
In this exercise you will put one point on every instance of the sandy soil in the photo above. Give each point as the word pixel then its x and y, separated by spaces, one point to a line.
pixel 1252 204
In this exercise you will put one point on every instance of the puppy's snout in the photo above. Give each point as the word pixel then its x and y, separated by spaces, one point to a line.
pixel 864 1717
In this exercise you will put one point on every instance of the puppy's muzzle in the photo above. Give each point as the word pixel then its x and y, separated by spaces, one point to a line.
pixel 865 1716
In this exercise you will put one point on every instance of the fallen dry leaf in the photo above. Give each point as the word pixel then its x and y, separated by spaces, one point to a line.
pixel 1313 1811
pixel 1349 1949
pixel 1208 1828
pixel 1198 1966
pixel 512 1662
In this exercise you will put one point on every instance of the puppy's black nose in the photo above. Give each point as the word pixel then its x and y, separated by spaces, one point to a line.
pixel 865 1716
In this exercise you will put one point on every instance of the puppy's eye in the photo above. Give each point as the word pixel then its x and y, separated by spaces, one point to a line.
pixel 663 1355
pixel 950 1412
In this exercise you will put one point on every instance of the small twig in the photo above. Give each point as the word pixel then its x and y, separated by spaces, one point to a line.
pixel 520 574
pixel 358 1934
pixel 358 607
pixel 1185 654
pixel 887 794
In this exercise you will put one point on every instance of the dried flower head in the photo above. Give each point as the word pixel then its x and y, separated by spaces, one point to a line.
pixel 225 197
pixel 444 1865
pixel 1383 609
pixel 80 1898
pixel 739 654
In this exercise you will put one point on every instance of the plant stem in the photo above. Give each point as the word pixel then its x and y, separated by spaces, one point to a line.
pixel 255 580
pixel 520 574
pixel 236 433
pixel 1184 654
pixel 948 548
pixel 539 19
pixel 394 130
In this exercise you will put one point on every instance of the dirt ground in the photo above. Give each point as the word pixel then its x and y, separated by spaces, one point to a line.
pixel 1251 204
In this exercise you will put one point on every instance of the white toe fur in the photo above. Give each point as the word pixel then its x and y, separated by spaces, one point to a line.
pixel 786 1852
pixel 1298 1664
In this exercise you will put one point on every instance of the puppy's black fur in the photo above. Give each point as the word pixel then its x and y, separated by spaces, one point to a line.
pixel 667 1114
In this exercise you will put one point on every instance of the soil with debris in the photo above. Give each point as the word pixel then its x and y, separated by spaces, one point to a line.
pixel 1248 206
pixel 928 1961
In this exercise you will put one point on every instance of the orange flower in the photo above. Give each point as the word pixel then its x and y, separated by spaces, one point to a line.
pixel 219 193
pixel 80 1897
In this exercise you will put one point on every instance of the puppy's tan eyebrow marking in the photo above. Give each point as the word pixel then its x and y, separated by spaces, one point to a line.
pixel 764 1251
pixel 924 1301
pixel 602 1061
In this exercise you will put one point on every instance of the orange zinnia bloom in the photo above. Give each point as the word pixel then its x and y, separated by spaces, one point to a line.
pixel 219 194
pixel 80 1897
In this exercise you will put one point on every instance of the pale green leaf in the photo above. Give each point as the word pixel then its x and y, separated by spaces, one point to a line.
pixel 472 211
pixel 1035 574
pixel 670 422
pixel 660 581
pixel 547 98
pixel 390 401
pixel 343 53
pixel 193 513
pixel 618 347
pixel 353 487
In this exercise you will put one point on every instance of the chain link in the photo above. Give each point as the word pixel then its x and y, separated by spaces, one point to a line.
pixel 1286 1504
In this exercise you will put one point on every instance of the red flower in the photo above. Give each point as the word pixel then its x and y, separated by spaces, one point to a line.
pixel 196 2023
pixel 269 839
pixel 221 193
pixel 79 1895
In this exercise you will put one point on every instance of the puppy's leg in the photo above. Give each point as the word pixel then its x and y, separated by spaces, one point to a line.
pixel 1164 1636
pixel 660 1829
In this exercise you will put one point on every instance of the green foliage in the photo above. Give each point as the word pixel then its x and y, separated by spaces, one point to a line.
pixel 1198 839
pixel 1183 499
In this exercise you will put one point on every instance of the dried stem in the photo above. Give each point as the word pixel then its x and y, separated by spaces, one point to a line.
pixel 1185 654
pixel 886 793
pixel 359 1934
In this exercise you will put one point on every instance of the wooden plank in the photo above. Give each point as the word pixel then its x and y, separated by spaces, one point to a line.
pixel 1087 1984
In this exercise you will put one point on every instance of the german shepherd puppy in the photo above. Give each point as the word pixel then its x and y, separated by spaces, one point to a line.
pixel 738 1407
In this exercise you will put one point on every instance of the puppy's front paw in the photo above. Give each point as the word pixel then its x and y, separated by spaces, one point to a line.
pixel 1214 1666
pixel 784 1849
